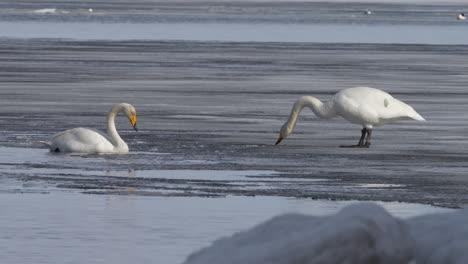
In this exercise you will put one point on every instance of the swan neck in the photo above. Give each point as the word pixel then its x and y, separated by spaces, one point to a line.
pixel 322 110
pixel 111 130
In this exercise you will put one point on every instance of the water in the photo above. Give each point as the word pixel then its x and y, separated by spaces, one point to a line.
pixel 67 228
pixel 240 32
pixel 237 22
pixel 212 84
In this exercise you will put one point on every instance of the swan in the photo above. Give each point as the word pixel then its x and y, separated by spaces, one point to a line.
pixel 364 106
pixel 85 140
pixel 46 11
pixel 367 12
pixel 461 16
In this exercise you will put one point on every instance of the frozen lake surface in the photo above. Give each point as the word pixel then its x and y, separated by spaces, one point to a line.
pixel 209 114
pixel 204 164
pixel 219 106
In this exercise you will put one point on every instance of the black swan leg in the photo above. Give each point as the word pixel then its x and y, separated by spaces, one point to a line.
pixel 368 138
pixel 361 143
pixel 363 135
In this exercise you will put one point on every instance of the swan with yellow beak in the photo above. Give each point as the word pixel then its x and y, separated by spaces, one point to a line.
pixel 86 140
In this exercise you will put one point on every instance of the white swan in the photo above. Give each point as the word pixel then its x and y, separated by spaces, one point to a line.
pixel 46 11
pixel 365 106
pixel 85 140
pixel 367 12
pixel 461 16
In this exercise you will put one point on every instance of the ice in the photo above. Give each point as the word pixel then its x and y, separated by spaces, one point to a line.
pixel 209 113
pixel 360 233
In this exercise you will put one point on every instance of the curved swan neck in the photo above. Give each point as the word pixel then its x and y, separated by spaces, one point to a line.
pixel 111 130
pixel 323 110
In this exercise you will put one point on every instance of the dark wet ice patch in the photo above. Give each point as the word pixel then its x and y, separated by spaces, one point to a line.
pixel 217 107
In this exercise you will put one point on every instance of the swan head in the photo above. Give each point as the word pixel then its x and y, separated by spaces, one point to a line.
pixel 285 131
pixel 130 112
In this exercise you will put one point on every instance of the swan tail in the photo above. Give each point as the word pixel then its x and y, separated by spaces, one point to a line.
pixel 416 116
pixel 406 110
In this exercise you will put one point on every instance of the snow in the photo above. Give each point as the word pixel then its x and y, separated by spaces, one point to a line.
pixel 363 233
pixel 360 233
pixel 441 238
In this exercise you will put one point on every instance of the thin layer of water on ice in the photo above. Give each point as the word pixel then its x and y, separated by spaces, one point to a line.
pixel 169 228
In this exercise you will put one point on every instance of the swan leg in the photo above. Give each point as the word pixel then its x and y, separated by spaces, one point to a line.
pixel 361 143
pixel 363 135
pixel 368 138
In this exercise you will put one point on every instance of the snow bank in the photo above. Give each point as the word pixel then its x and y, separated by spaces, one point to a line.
pixel 361 233
pixel 441 238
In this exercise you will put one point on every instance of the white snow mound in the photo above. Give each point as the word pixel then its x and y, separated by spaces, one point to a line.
pixel 441 238
pixel 361 233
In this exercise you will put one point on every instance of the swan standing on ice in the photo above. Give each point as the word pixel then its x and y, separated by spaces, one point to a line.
pixel 461 16
pixel 85 140
pixel 365 106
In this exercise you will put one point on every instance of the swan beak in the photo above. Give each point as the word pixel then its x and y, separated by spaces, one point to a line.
pixel 280 138
pixel 133 121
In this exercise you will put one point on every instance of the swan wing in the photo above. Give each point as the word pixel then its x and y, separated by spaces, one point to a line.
pixel 355 110
pixel 397 110
pixel 80 140
pixel 373 107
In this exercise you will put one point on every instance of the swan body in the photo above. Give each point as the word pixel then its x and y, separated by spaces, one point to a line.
pixel 461 16
pixel 367 12
pixel 46 11
pixel 365 106
pixel 85 140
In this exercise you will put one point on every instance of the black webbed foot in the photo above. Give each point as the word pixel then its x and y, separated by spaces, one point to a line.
pixel 362 143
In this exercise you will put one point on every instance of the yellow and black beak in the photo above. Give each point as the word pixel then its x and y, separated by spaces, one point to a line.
pixel 280 138
pixel 133 121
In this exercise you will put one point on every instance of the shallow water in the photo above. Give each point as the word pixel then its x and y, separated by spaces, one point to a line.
pixel 235 22
pixel 63 227
pixel 319 33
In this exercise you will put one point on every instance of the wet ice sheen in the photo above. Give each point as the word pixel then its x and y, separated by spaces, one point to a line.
pixel 165 228
pixel 64 226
